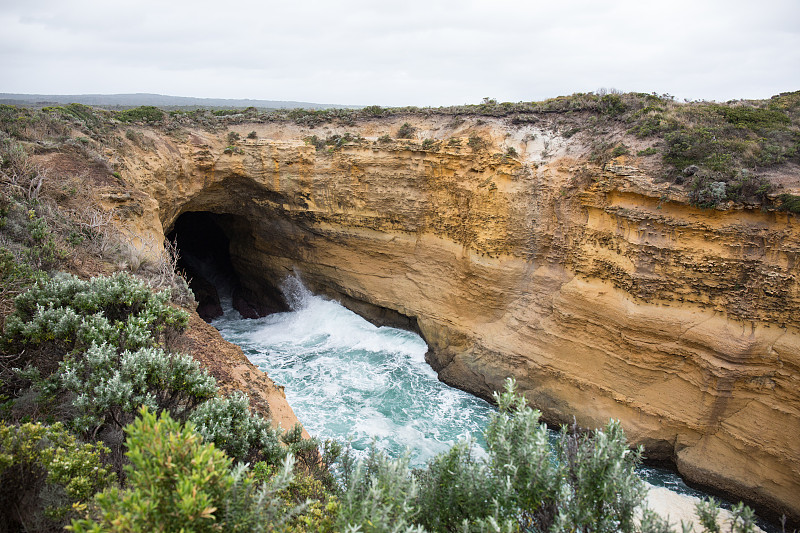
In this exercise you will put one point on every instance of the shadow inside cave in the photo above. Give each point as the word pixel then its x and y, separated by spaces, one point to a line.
pixel 203 241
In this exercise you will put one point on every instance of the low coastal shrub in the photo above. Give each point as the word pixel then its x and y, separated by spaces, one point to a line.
pixel 380 494
pixel 64 328
pixel 178 482
pixel 145 113
pixel 107 387
pixel 406 131
pixel 90 355
pixel 119 310
pixel 228 423
pixel 789 202
pixel 587 482
pixel 45 474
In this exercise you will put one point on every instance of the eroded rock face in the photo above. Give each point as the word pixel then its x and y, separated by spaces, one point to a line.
pixel 601 291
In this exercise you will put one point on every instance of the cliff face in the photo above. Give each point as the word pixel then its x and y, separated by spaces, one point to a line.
pixel 604 293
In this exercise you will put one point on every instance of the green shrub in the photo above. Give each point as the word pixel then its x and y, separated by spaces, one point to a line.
pixel 145 113
pixel 176 482
pixel 373 110
pixel 519 451
pixel 228 423
pixel 453 490
pixel 15 277
pixel 687 147
pixel 406 131
pixel 321 504
pixel 754 117
pixel 90 350
pixel 476 142
pixel 133 136
pixel 233 137
pixel 745 187
pixel 379 495
pixel 612 105
pixel 108 387
pixel 225 112
pixel 742 517
pixel 337 141
pixel 652 522
pixel 619 150
pixel 316 142
pixel 708 513
pixel 90 117
pixel 24 230
pixel 43 253
pixel 707 192
pixel 70 314
pixel 789 202
pixel 651 124
pixel 43 472
pixel 586 483
pixel 604 489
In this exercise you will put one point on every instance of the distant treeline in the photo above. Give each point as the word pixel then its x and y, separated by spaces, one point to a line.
pixel 126 101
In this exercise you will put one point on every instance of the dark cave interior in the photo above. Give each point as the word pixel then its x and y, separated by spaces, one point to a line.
pixel 203 241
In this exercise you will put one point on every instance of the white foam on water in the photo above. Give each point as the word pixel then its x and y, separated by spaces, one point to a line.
pixel 348 379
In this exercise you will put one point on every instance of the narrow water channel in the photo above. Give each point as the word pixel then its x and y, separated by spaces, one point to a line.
pixel 349 380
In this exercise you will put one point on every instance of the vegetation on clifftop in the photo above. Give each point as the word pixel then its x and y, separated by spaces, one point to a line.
pixel 718 152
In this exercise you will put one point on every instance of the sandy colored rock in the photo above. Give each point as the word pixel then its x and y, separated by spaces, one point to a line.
pixel 603 292
pixel 679 509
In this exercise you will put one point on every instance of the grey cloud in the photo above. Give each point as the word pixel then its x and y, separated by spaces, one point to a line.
pixel 434 52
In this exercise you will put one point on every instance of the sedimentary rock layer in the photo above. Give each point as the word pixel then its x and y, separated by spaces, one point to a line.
pixel 604 293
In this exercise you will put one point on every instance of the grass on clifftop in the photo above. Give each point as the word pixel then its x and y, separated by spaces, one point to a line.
pixel 718 152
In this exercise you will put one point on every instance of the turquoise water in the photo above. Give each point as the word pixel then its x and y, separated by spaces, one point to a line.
pixel 347 379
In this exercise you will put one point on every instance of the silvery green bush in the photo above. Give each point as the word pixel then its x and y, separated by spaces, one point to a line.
pixel 229 424
pixel 379 495
pixel 66 314
pixel 108 388
pixel 96 350
pixel 457 489
pixel 586 482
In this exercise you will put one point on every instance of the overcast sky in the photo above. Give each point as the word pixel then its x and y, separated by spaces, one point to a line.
pixel 400 52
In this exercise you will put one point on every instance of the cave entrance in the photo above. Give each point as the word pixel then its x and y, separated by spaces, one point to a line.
pixel 203 241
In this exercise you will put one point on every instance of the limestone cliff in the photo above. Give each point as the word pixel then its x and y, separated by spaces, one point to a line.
pixel 603 292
